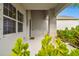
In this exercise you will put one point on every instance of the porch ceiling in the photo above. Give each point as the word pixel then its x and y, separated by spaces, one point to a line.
pixel 39 6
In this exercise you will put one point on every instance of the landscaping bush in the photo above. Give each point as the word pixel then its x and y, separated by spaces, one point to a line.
pixel 20 48
pixel 71 36
pixel 48 49
pixel 74 52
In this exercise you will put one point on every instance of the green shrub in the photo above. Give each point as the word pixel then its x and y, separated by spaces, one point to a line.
pixel 20 48
pixel 74 52
pixel 71 36
pixel 59 49
pixel 47 48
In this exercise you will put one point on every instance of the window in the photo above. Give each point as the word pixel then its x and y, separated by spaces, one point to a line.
pixel 5 9
pixel 20 16
pixel 9 10
pixel 9 19
pixel 9 26
pixel 20 21
pixel 20 27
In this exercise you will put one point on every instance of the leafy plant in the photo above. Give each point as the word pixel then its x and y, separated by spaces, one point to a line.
pixel 47 48
pixel 20 48
pixel 71 36
pixel 74 52
pixel 59 49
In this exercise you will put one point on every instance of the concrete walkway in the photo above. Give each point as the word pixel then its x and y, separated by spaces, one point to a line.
pixel 35 45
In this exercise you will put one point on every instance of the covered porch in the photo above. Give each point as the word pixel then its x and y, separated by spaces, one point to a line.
pixel 38 20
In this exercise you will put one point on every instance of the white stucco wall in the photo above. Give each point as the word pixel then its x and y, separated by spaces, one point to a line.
pixel 39 24
pixel 7 41
pixel 62 24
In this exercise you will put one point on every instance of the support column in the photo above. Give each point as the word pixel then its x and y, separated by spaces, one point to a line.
pixel 52 23
pixel 29 23
pixel 1 21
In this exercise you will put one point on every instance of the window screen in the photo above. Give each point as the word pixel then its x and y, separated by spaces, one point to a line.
pixel 20 27
pixel 9 26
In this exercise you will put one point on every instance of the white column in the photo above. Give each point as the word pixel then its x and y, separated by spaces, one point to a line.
pixel 52 23
pixel 29 18
pixel 1 21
